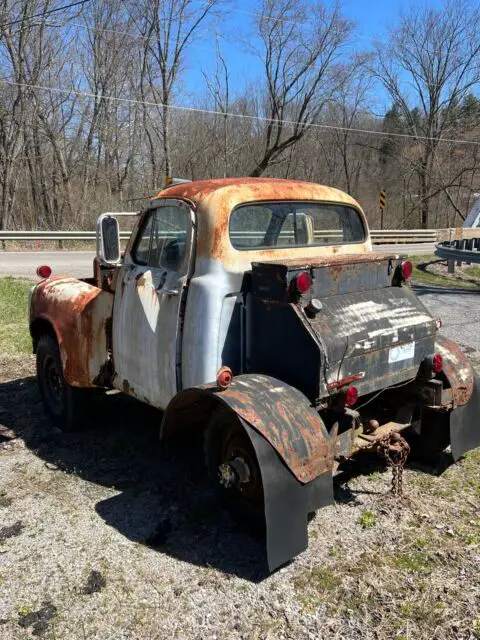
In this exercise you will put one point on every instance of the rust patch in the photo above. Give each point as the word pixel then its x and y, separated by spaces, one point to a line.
pixel 286 419
pixel 457 369
pixel 78 313
pixel 215 199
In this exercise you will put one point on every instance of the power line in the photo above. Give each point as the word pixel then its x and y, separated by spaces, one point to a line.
pixel 45 13
pixel 292 123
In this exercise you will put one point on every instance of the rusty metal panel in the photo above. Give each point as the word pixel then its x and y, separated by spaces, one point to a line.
pixel 79 313
pixel 457 369
pixel 280 413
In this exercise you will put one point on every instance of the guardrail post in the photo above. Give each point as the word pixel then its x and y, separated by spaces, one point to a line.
pixel 4 246
pixel 451 266
pixel 60 244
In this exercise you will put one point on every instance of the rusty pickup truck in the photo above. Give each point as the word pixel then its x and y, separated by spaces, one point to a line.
pixel 255 311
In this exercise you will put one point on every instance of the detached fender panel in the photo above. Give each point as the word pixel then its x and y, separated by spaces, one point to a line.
pixel 79 314
pixel 465 424
pixel 278 412
pixel 465 415
pixel 458 370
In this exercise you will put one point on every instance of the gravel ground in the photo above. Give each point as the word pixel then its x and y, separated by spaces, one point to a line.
pixel 107 535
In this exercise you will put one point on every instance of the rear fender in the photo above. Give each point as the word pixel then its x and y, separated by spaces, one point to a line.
pixel 279 412
pixel 465 415
pixel 292 448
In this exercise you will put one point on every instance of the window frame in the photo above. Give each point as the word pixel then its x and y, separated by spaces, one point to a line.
pixel 297 246
pixel 146 217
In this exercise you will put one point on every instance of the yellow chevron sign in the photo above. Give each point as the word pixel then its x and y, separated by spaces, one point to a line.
pixel 383 199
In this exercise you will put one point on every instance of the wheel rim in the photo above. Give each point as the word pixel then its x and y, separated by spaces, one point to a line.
pixel 236 444
pixel 53 384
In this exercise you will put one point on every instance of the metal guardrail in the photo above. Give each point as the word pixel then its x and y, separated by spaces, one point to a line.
pixel 466 250
pixel 378 236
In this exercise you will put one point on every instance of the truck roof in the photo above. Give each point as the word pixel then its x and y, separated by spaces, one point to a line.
pixel 215 199
pixel 233 191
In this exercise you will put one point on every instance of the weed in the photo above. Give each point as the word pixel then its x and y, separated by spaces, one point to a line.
pixel 319 579
pixel 415 562
pixel 368 519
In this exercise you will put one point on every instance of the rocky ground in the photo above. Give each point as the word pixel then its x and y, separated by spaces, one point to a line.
pixel 107 535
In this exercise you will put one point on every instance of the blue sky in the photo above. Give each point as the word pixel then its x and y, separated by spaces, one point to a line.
pixel 370 16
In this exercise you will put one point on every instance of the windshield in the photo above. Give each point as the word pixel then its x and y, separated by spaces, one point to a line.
pixel 287 224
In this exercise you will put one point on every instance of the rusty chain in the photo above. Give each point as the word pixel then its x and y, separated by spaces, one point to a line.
pixel 395 450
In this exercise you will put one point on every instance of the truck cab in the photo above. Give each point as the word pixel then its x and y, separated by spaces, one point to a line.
pixel 255 310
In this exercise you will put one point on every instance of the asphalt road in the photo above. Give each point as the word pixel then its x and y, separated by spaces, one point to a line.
pixel 79 263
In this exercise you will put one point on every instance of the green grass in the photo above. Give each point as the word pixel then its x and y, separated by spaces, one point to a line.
pixel 14 334
pixel 419 275
pixel 368 519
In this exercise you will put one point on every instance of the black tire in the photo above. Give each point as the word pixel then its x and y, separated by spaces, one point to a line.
pixel 429 445
pixel 63 403
pixel 225 439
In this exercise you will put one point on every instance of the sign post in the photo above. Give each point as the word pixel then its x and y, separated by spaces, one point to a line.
pixel 383 204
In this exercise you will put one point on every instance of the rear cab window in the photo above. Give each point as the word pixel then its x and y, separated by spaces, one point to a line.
pixel 294 224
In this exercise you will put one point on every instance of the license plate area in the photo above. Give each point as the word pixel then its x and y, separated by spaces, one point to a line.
pixel 402 352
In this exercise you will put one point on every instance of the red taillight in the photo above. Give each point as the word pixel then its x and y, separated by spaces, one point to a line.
pixel 224 377
pixel 351 395
pixel 44 271
pixel 303 282
pixel 437 363
pixel 407 269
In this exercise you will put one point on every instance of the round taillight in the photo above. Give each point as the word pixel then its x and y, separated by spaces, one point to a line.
pixel 224 377
pixel 44 271
pixel 407 269
pixel 351 395
pixel 437 363
pixel 303 282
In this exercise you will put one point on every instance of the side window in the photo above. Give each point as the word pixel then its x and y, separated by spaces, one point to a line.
pixel 163 239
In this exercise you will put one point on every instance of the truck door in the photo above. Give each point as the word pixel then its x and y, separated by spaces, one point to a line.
pixel 149 301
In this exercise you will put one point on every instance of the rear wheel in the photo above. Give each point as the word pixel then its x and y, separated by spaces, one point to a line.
pixel 233 466
pixel 64 404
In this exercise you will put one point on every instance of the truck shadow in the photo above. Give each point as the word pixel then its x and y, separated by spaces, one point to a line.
pixel 164 501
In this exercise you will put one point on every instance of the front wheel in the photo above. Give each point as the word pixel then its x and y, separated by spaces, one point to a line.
pixel 233 466
pixel 64 404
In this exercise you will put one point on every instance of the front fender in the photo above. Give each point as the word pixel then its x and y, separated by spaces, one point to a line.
pixel 279 412
pixel 78 313
pixel 465 414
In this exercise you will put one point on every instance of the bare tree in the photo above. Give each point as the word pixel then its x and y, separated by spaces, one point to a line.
pixel 303 54
pixel 430 63
pixel 168 27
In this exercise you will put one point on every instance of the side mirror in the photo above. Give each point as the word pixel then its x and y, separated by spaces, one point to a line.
pixel 108 240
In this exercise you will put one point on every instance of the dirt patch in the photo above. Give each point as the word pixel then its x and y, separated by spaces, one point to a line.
pixel 95 583
pixel 39 620
pixel 11 531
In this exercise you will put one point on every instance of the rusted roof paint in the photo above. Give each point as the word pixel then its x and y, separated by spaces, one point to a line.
pixel 78 312
pixel 215 199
